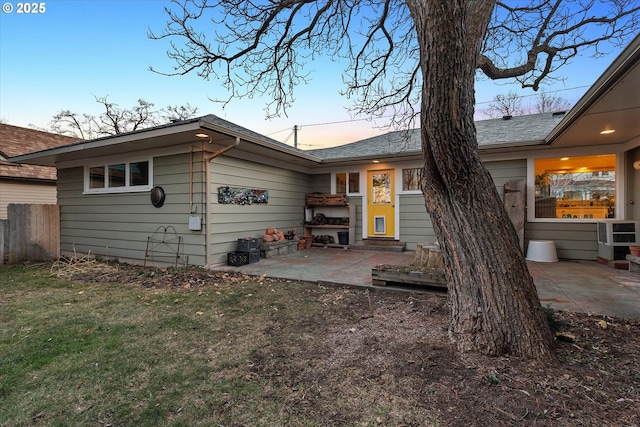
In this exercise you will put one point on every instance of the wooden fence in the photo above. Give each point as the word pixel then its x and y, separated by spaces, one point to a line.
pixel 33 233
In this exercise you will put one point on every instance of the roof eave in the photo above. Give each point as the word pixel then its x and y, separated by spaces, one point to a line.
pixel 283 149
pixel 47 157
pixel 28 179
pixel 512 146
pixel 372 157
pixel 629 56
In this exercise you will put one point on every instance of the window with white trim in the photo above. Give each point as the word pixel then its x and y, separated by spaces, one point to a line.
pixel 347 181
pixel 579 187
pixel 411 179
pixel 118 177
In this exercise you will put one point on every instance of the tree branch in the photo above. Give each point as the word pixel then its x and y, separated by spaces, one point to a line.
pixel 550 34
pixel 262 48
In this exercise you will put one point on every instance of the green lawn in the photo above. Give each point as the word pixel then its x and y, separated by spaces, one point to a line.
pixel 118 354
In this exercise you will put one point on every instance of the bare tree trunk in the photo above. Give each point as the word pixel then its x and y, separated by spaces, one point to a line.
pixel 495 308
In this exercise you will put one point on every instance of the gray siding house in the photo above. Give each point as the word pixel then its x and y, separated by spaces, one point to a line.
pixel 26 184
pixel 185 192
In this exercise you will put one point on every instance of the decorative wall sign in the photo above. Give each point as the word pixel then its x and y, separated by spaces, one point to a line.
pixel 242 196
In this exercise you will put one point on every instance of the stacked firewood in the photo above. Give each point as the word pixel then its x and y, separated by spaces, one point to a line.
pixel 321 219
pixel 325 239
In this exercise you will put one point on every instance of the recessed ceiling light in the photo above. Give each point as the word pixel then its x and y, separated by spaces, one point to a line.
pixel 202 135
pixel 564 158
pixel 607 131
pixel 376 161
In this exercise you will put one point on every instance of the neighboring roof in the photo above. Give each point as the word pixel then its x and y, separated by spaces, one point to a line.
pixel 515 131
pixel 15 141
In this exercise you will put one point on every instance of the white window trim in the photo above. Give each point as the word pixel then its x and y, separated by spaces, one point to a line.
pixel 409 192
pixel 126 188
pixel 400 181
pixel 620 177
pixel 334 188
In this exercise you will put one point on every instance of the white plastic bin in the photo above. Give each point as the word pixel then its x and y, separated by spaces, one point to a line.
pixel 542 251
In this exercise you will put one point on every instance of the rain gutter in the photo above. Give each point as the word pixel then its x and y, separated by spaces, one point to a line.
pixel 207 179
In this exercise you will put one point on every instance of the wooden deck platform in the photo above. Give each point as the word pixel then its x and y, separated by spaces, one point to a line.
pixel 389 275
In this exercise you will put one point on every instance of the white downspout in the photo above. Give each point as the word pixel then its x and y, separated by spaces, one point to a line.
pixel 208 196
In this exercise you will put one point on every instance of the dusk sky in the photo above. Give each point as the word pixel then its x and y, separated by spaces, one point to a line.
pixel 76 50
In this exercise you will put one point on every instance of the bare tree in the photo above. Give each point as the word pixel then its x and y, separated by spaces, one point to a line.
pixel 548 103
pixel 505 105
pixel 511 105
pixel 587 184
pixel 402 53
pixel 115 120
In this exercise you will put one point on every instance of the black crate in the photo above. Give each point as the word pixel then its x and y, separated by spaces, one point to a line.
pixel 254 255
pixel 239 258
pixel 247 244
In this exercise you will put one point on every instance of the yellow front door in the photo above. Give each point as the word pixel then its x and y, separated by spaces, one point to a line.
pixel 381 205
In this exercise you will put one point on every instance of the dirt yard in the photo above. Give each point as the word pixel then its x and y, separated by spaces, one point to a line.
pixel 361 348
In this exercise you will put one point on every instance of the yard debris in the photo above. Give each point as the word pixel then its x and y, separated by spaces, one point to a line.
pixel 70 268
pixel 88 268
pixel 565 336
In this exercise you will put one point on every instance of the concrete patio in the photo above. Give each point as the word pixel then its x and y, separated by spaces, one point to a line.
pixel 582 286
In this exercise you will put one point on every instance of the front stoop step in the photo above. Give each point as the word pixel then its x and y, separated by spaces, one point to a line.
pixel 380 244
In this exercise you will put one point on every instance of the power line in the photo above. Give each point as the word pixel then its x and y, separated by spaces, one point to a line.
pixel 293 131
pixel 538 93
pixel 344 121
pixel 278 131
pixel 391 115
pixel 337 122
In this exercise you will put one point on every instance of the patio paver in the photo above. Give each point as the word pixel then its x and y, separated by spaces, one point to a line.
pixel 582 286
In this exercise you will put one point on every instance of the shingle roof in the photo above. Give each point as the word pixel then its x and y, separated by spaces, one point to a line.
pixel 212 118
pixel 518 130
pixel 15 141
pixel 209 118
